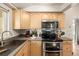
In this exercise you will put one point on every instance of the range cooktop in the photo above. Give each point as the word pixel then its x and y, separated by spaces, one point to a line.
pixel 51 40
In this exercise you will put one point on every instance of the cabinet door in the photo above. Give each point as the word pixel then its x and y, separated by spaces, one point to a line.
pixel 26 49
pixel 17 19
pixel 21 19
pixel 35 21
pixel 35 48
pixel 53 16
pixel 67 48
pixel 20 53
pixel 45 16
pixel 61 20
pixel 25 20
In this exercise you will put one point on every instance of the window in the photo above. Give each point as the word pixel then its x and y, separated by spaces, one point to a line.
pixel 3 20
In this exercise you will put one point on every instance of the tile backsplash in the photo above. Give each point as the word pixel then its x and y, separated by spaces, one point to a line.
pixel 21 31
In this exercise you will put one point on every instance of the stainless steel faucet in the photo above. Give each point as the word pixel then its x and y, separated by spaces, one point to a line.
pixel 2 37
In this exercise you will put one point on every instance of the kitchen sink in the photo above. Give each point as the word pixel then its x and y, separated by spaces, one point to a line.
pixel 10 47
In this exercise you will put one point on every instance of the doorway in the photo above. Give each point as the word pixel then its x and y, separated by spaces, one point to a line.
pixel 76 40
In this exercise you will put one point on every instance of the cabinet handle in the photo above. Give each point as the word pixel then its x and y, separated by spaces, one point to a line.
pixel 72 53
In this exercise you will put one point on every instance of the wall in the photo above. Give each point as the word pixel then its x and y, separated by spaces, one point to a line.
pixel 9 22
pixel 70 16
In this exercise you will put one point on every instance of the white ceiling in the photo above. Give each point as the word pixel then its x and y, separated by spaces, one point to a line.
pixel 42 7
pixel 25 5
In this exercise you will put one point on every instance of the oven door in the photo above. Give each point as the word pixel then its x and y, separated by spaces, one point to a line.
pixel 52 48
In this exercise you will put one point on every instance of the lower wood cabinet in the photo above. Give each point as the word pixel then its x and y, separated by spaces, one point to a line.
pixel 20 53
pixel 31 48
pixel 25 51
pixel 36 48
pixel 67 48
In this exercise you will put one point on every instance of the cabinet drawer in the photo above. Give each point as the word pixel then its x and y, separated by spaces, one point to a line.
pixel 67 42
pixel 66 47
pixel 67 53
pixel 67 50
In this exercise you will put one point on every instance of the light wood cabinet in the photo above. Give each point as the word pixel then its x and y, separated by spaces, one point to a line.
pixel 67 48
pixel 59 17
pixel 61 20
pixel 21 19
pixel 36 48
pixel 35 21
pixel 53 16
pixel 17 18
pixel 31 48
pixel 20 53
pixel 49 16
pixel 25 51
pixel 25 20
pixel 45 16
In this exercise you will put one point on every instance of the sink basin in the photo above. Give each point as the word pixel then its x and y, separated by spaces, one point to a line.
pixel 10 47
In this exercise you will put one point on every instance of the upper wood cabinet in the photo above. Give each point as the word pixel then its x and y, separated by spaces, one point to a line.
pixel 45 16
pixel 25 20
pixel 16 19
pixel 53 16
pixel 21 19
pixel 61 20
pixel 35 21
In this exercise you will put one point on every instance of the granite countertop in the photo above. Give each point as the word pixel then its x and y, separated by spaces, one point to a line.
pixel 12 45
pixel 17 49
pixel 36 38
pixel 39 38
pixel 14 48
pixel 66 39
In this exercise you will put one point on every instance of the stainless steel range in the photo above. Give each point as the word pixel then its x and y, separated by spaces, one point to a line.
pixel 52 44
pixel 52 49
